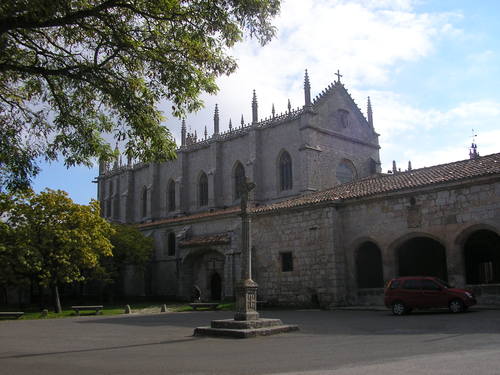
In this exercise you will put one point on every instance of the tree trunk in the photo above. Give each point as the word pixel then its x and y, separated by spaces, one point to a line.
pixel 57 301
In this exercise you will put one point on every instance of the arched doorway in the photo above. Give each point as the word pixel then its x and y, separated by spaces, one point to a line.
pixel 369 269
pixel 482 257
pixel 215 287
pixel 422 256
pixel 199 268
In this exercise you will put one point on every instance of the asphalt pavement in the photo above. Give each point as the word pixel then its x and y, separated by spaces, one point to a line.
pixel 329 342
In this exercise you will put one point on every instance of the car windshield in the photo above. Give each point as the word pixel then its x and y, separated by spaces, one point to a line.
pixel 444 283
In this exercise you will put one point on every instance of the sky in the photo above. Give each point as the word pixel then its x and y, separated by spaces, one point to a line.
pixel 430 67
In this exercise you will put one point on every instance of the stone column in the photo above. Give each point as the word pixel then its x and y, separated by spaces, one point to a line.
pixel 246 288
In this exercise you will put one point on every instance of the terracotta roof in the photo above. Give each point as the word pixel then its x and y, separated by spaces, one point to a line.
pixel 370 186
pixel 382 184
pixel 200 215
pixel 215 239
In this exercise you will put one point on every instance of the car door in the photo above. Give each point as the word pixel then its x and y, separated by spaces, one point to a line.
pixel 432 294
pixel 411 293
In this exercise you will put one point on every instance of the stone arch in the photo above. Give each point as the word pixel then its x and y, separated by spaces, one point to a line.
pixel 464 234
pixel 202 189
pixel 285 170
pixel 198 268
pixel 481 250
pixel 238 177
pixel 369 265
pixel 346 172
pixel 420 254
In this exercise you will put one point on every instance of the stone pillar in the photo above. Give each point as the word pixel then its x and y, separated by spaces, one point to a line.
pixel 246 288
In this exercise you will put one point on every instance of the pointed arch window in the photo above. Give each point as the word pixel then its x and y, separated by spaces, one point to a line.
pixel 171 195
pixel 171 244
pixel 203 190
pixel 239 179
pixel 144 201
pixel 285 171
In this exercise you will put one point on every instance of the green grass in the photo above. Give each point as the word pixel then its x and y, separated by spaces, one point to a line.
pixel 31 313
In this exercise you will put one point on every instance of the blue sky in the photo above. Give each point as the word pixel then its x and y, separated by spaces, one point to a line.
pixel 431 68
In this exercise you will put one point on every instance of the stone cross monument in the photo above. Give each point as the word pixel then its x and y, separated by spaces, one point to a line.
pixel 246 289
pixel 246 322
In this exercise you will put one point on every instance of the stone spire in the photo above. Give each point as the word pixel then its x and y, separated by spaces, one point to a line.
pixel 473 147
pixel 216 120
pixel 273 112
pixel 206 133
pixel 255 115
pixel 473 151
pixel 289 106
pixel 183 133
pixel 242 121
pixel 394 167
pixel 409 165
pixel 370 113
pixel 230 125
pixel 307 91
pixel 117 156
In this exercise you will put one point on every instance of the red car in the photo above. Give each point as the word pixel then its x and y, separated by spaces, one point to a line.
pixel 404 294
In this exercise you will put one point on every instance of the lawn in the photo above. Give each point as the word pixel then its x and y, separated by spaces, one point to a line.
pixel 142 307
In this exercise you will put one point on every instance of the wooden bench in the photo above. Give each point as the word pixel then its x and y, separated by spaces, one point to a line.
pixel 96 308
pixel 11 314
pixel 210 305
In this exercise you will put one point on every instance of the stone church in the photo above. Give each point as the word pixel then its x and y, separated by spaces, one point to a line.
pixel 328 227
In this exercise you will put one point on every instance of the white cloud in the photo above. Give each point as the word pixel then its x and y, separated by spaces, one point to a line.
pixel 367 40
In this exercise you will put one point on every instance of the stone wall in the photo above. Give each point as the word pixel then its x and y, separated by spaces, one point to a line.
pixel 446 214
pixel 309 236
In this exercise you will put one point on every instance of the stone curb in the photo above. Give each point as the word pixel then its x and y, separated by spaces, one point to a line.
pixel 383 308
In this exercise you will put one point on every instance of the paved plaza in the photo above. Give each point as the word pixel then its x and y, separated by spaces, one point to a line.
pixel 329 342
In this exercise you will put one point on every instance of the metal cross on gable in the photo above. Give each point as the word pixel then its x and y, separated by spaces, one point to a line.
pixel 338 75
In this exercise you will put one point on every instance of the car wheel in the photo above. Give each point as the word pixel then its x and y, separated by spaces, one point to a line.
pixel 456 306
pixel 398 308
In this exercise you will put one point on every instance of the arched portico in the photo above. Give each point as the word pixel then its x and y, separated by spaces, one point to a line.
pixel 205 269
pixel 421 255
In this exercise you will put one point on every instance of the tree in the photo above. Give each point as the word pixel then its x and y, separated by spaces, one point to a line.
pixel 57 240
pixel 71 70
pixel 130 247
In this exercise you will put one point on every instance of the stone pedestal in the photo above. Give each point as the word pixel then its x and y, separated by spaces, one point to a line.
pixel 246 300
pixel 243 329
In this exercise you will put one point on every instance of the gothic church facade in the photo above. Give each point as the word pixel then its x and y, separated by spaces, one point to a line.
pixel 328 228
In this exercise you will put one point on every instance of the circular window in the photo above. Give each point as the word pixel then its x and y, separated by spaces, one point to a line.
pixel 345 172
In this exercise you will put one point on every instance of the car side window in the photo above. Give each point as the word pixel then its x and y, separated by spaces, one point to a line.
pixel 430 285
pixel 395 284
pixel 412 284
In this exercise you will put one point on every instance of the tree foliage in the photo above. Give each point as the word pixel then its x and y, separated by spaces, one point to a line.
pixel 56 240
pixel 71 70
pixel 130 247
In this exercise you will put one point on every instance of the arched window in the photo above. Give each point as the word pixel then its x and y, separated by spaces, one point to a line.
pixel 144 201
pixel 285 171
pixel 203 190
pixel 345 172
pixel 171 244
pixel 116 206
pixel 239 179
pixel 171 196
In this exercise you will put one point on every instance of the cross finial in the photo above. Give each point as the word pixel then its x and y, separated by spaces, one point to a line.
pixel 338 75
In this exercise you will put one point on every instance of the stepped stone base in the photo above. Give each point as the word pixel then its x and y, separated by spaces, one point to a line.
pixel 244 328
